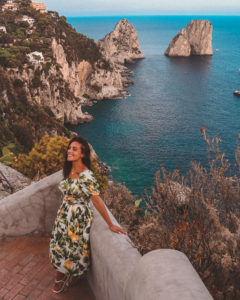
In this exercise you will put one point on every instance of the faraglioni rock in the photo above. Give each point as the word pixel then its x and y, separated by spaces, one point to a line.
pixel 121 45
pixel 195 39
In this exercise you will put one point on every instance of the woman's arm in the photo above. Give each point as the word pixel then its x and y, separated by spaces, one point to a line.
pixel 98 203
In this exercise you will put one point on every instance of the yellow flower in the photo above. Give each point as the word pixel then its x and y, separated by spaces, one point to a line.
pixel 69 231
pixel 72 235
pixel 70 198
pixel 68 264
pixel 95 194
pixel 85 254
pixel 91 187
pixel 85 246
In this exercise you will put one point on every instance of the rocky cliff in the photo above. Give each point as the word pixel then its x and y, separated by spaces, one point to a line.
pixel 195 39
pixel 66 71
pixel 121 45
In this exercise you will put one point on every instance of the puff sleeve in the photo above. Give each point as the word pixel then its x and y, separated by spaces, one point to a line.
pixel 92 185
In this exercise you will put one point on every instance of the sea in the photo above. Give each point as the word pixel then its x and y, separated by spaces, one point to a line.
pixel 170 100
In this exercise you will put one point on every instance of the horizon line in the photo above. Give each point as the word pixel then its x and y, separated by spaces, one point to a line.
pixel 146 13
pixel 152 15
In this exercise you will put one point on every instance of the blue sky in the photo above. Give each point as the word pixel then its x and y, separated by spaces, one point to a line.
pixel 143 7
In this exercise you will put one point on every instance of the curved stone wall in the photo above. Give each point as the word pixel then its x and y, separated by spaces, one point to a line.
pixel 118 271
pixel 31 210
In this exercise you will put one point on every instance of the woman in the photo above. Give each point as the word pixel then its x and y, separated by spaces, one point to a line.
pixel 69 243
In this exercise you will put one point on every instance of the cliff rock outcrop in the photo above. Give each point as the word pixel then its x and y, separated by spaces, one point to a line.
pixel 95 81
pixel 121 45
pixel 71 71
pixel 195 39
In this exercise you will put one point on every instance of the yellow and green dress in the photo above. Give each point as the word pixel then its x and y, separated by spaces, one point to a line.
pixel 69 242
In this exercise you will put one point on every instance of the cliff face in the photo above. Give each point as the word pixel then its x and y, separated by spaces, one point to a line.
pixel 88 80
pixel 195 39
pixel 66 70
pixel 121 45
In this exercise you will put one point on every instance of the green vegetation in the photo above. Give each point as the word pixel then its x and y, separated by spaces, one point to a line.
pixel 47 157
pixel 101 178
pixel 20 122
pixel 8 156
pixel 23 123
pixel 26 39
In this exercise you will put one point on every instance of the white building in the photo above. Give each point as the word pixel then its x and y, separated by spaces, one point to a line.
pixel 28 19
pixel 35 57
pixel 3 28
pixel 10 6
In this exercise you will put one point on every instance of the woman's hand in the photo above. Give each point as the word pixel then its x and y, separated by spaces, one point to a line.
pixel 117 229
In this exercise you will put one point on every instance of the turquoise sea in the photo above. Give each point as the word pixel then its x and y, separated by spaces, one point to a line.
pixel 170 100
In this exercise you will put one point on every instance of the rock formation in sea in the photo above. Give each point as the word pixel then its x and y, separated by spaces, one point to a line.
pixel 121 45
pixel 195 39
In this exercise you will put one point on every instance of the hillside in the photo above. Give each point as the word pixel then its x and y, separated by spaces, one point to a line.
pixel 48 71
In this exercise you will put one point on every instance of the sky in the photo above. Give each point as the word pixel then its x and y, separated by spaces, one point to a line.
pixel 143 7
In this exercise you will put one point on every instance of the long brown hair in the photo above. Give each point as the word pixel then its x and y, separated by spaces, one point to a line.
pixel 85 150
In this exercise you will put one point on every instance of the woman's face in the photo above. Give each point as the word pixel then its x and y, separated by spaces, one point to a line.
pixel 74 152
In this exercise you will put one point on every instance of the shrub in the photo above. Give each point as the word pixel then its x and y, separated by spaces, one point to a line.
pixel 18 83
pixel 198 214
pixel 36 81
pixel 101 179
pixel 14 56
pixel 45 158
pixel 8 155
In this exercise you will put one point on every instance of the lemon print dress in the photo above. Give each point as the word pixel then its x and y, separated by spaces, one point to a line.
pixel 69 242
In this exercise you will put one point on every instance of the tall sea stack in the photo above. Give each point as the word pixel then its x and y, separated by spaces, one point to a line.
pixel 121 45
pixel 195 39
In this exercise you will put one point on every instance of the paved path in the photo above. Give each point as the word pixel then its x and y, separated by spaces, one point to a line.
pixel 26 272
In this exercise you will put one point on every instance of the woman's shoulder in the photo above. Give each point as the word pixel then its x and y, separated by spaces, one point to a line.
pixel 87 173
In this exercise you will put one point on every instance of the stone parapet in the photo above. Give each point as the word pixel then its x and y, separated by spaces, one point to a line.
pixel 31 210
pixel 118 271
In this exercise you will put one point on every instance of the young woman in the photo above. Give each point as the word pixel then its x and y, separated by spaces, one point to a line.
pixel 69 243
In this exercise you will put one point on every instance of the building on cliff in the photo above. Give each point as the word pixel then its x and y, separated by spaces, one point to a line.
pixel 3 28
pixel 39 6
pixel 36 57
pixel 10 5
pixel 28 19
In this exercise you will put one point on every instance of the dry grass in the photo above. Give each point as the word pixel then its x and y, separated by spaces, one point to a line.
pixel 198 214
